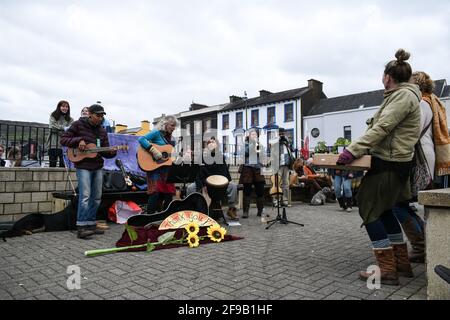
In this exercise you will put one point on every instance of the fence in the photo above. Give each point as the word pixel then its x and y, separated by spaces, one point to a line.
pixel 30 140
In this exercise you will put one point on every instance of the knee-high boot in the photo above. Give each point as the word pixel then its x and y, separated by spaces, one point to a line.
pixel 417 240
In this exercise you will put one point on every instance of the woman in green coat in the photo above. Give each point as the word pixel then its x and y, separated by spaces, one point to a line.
pixel 390 140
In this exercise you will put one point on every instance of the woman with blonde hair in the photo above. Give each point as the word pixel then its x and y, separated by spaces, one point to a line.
pixel 157 187
pixel 435 143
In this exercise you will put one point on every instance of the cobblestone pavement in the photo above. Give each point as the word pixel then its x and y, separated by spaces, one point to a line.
pixel 288 262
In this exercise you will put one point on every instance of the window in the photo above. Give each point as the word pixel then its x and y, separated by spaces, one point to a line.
pixel 255 118
pixel 188 129
pixel 225 122
pixel 289 134
pixel 197 127
pixel 239 120
pixel 225 144
pixel 271 115
pixel 206 125
pixel 289 112
pixel 348 133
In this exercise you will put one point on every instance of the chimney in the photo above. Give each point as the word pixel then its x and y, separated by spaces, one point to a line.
pixel 316 87
pixel 145 125
pixel 235 99
pixel 264 93
pixel 120 127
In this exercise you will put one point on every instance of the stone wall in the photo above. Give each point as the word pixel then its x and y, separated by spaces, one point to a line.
pixel 29 190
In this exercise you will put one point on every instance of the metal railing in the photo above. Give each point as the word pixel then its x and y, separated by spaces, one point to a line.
pixel 29 140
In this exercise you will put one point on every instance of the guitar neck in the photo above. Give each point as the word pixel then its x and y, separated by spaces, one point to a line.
pixel 102 149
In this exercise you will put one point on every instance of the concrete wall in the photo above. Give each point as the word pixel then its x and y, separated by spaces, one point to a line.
pixel 29 190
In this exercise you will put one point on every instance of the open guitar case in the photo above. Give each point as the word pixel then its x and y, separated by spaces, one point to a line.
pixel 195 202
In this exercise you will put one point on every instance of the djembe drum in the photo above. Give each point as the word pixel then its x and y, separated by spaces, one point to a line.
pixel 216 187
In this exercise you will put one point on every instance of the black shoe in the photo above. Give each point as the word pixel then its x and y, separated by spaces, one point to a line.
pixel 443 272
pixel 83 232
pixel 96 230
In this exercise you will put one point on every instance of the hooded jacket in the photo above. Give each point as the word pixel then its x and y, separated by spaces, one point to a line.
pixel 83 130
pixel 395 128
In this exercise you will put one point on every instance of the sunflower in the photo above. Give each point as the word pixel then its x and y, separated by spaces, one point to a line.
pixel 193 240
pixel 192 228
pixel 216 233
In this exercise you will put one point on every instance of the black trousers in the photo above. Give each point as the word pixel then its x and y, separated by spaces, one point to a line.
pixel 54 155
pixel 259 189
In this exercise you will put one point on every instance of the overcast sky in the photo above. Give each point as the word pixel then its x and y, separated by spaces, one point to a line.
pixel 144 58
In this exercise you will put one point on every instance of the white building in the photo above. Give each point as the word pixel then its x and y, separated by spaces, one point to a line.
pixel 268 112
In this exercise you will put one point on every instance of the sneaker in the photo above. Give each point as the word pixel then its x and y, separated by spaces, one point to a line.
pixel 245 215
pixel 96 229
pixel 349 209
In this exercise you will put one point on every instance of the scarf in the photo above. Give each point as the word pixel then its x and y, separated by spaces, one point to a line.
pixel 441 136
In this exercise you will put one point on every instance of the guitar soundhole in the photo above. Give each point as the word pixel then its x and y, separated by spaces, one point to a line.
pixel 165 155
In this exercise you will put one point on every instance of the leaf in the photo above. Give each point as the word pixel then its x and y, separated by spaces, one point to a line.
pixel 166 237
pixel 131 232
pixel 150 246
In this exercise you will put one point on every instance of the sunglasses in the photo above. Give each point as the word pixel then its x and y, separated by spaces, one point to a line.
pixel 99 115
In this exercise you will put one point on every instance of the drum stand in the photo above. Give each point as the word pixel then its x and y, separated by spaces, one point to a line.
pixel 280 218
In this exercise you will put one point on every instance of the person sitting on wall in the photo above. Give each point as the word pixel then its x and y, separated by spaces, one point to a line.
pixel 217 166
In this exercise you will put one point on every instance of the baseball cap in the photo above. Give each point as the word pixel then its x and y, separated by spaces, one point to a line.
pixel 96 108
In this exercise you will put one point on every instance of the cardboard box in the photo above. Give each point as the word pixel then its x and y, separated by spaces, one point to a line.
pixel 329 161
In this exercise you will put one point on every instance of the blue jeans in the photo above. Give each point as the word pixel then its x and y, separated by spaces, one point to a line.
pixel 342 183
pixel 90 184
pixel 402 213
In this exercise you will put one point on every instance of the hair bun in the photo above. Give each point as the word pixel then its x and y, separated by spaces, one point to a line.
pixel 402 55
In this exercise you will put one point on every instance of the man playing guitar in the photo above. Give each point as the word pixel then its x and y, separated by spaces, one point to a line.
pixel 157 187
pixel 89 170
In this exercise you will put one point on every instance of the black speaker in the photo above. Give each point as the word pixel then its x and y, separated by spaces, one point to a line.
pixel 113 181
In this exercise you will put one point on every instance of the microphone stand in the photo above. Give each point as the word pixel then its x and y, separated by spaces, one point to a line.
pixel 281 218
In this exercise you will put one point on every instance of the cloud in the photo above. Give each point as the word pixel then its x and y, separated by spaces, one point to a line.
pixel 145 58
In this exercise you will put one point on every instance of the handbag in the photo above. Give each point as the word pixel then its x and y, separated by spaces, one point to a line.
pixel 421 178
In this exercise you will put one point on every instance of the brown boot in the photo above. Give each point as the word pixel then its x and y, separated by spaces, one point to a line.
pixel 417 240
pixel 387 263
pixel 232 213
pixel 403 265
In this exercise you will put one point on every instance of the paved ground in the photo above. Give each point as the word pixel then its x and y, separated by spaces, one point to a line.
pixel 318 261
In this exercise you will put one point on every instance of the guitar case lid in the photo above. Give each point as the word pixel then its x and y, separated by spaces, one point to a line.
pixel 195 202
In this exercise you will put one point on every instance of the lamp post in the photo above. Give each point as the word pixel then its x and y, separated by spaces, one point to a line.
pixel 245 101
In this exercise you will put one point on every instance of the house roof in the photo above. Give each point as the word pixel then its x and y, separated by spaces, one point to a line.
pixel 131 130
pixel 439 87
pixel 446 92
pixel 359 100
pixel 350 102
pixel 267 99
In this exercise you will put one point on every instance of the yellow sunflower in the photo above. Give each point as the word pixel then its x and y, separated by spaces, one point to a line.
pixel 216 233
pixel 192 228
pixel 193 240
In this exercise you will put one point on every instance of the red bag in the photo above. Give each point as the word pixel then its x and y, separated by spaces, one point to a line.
pixel 120 211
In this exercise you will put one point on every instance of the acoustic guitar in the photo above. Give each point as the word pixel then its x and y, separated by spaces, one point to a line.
pixel 148 163
pixel 274 190
pixel 76 155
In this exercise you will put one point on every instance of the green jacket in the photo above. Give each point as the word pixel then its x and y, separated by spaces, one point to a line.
pixel 394 129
